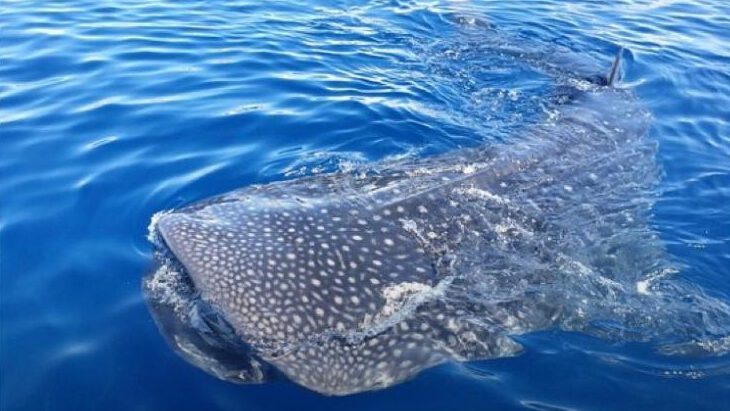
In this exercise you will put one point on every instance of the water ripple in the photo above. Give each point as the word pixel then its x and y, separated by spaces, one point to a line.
pixel 112 111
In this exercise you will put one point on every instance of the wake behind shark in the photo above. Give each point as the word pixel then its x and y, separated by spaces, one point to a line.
pixel 358 280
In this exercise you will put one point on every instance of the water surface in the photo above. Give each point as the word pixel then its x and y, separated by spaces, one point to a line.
pixel 110 112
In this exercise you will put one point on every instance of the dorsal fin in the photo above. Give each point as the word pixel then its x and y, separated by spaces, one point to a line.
pixel 615 72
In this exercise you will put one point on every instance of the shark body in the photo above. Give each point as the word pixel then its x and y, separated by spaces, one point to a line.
pixel 353 281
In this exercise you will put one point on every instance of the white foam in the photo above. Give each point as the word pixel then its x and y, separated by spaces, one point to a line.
pixel 167 286
pixel 644 286
pixel 482 194
pixel 152 234
pixel 401 300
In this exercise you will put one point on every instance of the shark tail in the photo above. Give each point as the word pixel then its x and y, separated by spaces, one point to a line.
pixel 614 74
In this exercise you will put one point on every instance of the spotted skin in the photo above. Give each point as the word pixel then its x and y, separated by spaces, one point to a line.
pixel 332 290
pixel 286 272
pixel 429 337
pixel 321 290
pixel 345 283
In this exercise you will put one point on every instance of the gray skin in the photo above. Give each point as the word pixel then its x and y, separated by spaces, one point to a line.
pixel 354 281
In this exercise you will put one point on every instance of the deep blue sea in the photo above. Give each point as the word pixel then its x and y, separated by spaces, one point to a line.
pixel 113 111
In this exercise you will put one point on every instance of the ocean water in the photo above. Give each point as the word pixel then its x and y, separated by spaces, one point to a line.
pixel 111 112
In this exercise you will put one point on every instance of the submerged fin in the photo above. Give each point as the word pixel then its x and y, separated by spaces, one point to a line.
pixel 615 73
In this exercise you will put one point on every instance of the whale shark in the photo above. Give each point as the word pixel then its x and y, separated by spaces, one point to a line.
pixel 359 279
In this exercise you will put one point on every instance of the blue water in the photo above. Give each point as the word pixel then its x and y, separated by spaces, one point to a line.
pixel 112 111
